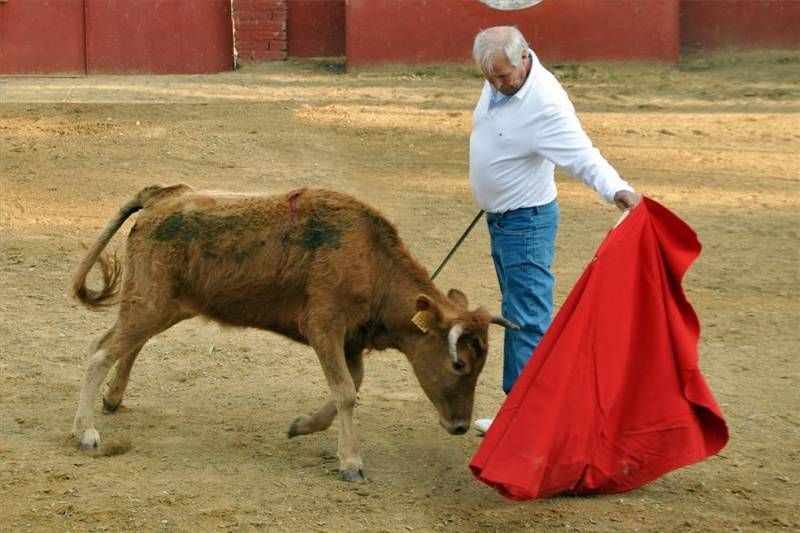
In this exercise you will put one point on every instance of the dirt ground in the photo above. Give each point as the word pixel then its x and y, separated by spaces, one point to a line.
pixel 200 442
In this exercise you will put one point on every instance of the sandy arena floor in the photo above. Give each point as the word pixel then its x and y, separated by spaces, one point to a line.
pixel 200 443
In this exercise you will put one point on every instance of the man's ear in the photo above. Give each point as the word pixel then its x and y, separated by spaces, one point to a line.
pixel 458 298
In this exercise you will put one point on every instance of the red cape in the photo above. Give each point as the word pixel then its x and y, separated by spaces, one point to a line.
pixel 612 398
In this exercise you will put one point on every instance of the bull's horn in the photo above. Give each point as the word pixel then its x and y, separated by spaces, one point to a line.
pixel 503 321
pixel 452 340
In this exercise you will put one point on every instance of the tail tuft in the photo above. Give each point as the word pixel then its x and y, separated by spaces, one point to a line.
pixel 111 270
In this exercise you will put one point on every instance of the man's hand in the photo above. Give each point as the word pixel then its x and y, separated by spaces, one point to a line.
pixel 627 199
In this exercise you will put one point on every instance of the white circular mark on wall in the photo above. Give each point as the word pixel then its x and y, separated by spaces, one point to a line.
pixel 508 5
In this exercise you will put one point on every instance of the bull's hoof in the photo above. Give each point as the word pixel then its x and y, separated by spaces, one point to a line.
pixel 356 474
pixel 90 440
pixel 109 407
pixel 294 428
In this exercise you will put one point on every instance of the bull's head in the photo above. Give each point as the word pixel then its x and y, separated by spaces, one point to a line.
pixel 449 354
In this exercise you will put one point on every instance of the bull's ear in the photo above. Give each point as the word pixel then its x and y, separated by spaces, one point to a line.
pixel 424 303
pixel 458 298
pixel 428 314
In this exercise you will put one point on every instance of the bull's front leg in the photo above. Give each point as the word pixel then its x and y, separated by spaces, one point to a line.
pixel 330 350
pixel 321 419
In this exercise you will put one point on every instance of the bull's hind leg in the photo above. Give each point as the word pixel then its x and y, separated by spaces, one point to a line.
pixel 330 350
pixel 116 387
pixel 122 342
pixel 323 417
pixel 104 353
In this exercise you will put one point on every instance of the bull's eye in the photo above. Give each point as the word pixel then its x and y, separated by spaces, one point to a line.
pixel 476 346
pixel 458 365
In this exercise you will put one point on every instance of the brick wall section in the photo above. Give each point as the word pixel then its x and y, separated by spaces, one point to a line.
pixel 259 30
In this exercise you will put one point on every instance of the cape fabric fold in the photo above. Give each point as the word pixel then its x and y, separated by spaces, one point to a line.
pixel 612 398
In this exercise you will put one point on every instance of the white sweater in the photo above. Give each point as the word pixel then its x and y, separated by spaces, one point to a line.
pixel 514 147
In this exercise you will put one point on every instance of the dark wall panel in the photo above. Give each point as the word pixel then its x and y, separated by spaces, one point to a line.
pixel 710 24
pixel 316 28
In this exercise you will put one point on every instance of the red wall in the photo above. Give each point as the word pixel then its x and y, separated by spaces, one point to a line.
pixel 427 31
pixel 712 24
pixel 159 36
pixel 41 37
pixel 316 28
pixel 115 36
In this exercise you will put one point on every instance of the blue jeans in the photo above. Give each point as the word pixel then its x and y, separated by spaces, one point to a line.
pixel 523 247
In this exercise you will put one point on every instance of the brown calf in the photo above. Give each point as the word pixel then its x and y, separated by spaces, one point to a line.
pixel 316 266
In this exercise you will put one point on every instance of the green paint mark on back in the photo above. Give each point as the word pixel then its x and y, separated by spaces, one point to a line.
pixel 318 233
pixel 192 225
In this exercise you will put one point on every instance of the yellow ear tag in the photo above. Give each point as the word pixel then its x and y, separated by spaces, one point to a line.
pixel 422 319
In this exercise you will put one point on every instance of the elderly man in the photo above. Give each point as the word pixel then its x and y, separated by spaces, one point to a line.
pixel 523 126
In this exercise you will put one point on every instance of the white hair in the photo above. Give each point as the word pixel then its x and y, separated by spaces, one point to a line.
pixel 489 42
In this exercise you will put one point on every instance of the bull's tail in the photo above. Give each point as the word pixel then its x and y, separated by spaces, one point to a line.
pixel 110 266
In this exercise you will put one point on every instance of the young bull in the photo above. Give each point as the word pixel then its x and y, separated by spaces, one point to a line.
pixel 317 266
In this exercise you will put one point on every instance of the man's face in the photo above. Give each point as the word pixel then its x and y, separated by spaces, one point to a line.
pixel 506 78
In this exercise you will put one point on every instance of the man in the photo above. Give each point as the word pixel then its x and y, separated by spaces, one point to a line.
pixel 523 126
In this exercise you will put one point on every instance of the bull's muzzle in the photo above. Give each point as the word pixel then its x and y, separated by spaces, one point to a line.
pixel 455 427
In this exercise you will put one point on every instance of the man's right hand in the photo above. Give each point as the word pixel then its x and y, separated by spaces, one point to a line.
pixel 627 199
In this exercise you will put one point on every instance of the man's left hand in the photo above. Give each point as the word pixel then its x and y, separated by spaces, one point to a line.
pixel 627 199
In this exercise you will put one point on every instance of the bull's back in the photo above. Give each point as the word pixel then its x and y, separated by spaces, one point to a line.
pixel 256 260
